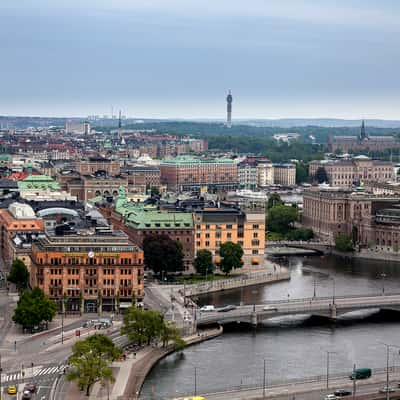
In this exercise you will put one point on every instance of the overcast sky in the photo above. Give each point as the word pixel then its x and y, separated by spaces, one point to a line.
pixel 178 58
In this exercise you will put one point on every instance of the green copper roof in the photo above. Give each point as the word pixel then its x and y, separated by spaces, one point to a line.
pixel 35 182
pixel 193 160
pixel 140 216
pixel 5 157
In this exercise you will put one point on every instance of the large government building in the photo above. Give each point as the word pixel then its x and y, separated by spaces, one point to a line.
pixel 350 172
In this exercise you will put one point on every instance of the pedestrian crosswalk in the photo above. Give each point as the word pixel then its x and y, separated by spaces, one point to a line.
pixel 28 373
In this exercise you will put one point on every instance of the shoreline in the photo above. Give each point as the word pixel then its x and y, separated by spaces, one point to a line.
pixel 142 368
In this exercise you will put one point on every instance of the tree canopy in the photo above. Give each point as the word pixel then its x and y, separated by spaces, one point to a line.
pixel 281 218
pixel 301 173
pixel 145 326
pixel 274 200
pixel 343 243
pixel 231 254
pixel 162 254
pixel 34 308
pixel 203 263
pixel 90 361
pixel 321 176
pixel 19 274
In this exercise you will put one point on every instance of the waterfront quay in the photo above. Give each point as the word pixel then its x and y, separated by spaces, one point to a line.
pixel 294 346
pixel 275 274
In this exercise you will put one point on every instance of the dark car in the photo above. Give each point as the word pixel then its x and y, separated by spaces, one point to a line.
pixel 342 392
pixel 227 308
pixel 31 387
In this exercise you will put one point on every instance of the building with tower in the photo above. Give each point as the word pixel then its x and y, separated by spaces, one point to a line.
pixel 229 99
pixel 362 142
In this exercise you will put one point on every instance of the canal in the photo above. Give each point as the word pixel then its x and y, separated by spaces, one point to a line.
pixel 293 347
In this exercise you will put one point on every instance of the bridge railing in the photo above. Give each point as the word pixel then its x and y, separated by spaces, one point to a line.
pixel 308 299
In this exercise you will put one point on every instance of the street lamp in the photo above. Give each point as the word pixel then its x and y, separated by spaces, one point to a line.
pixel 328 353
pixel 195 381
pixel 315 288
pixel 264 377
pixel 254 292
pixel 383 276
pixel 388 346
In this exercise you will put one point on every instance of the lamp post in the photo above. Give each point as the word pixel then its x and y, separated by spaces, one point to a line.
pixel 328 353
pixel 334 290
pixel 388 347
pixel 195 381
pixel 254 292
pixel 315 288
pixel 383 276
pixel 264 377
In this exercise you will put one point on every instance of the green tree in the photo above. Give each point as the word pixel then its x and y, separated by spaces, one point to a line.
pixel 301 173
pixel 144 326
pixel 154 191
pixel 19 274
pixel 162 254
pixel 231 254
pixel 321 176
pixel 281 218
pixel 90 361
pixel 343 242
pixel 274 200
pixel 34 308
pixel 203 262
pixel 300 234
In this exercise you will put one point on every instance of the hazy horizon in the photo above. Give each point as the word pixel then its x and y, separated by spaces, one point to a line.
pixel 177 59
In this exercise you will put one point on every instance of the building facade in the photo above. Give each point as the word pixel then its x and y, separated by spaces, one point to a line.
pixel 361 169
pixel 285 174
pixel 95 164
pixel 215 226
pixel 188 173
pixel 88 273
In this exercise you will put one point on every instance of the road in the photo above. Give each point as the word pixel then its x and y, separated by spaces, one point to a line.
pixel 311 390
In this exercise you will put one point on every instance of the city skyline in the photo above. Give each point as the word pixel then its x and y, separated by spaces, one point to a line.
pixel 178 60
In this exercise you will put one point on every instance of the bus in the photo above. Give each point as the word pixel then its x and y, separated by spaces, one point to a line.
pixel 361 373
pixel 191 398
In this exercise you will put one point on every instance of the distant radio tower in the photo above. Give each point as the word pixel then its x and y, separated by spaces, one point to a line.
pixel 229 110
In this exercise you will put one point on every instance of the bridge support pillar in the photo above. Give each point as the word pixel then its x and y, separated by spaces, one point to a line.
pixel 332 308
pixel 254 319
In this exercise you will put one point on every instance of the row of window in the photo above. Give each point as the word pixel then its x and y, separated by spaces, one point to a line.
pixel 90 261
pixel 254 242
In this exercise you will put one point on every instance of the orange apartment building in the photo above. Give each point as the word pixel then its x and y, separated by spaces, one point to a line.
pixel 214 226
pixel 18 226
pixel 91 273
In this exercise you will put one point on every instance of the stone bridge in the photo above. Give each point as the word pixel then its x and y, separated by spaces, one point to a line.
pixel 328 307
pixel 288 248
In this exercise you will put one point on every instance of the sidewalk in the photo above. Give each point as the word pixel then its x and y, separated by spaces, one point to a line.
pixel 130 374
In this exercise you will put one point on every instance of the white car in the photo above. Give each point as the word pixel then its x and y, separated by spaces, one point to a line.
pixel 270 308
pixel 207 308
pixel 331 397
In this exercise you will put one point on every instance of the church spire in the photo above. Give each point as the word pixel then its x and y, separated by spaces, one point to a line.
pixel 363 134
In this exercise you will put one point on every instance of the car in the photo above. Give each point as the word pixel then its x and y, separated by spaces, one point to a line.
pixel 227 308
pixel 386 389
pixel 270 308
pixel 330 397
pixel 12 389
pixel 31 387
pixel 207 308
pixel 26 395
pixel 342 392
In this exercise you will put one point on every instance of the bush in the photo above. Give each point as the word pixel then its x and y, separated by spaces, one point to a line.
pixel 343 243
pixel 300 234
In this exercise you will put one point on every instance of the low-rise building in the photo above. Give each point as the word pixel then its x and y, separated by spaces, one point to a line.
pixel 215 226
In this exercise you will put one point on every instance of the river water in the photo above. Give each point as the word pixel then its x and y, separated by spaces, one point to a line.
pixel 293 347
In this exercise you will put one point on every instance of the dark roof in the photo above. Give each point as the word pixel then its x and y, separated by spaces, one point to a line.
pixel 8 184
